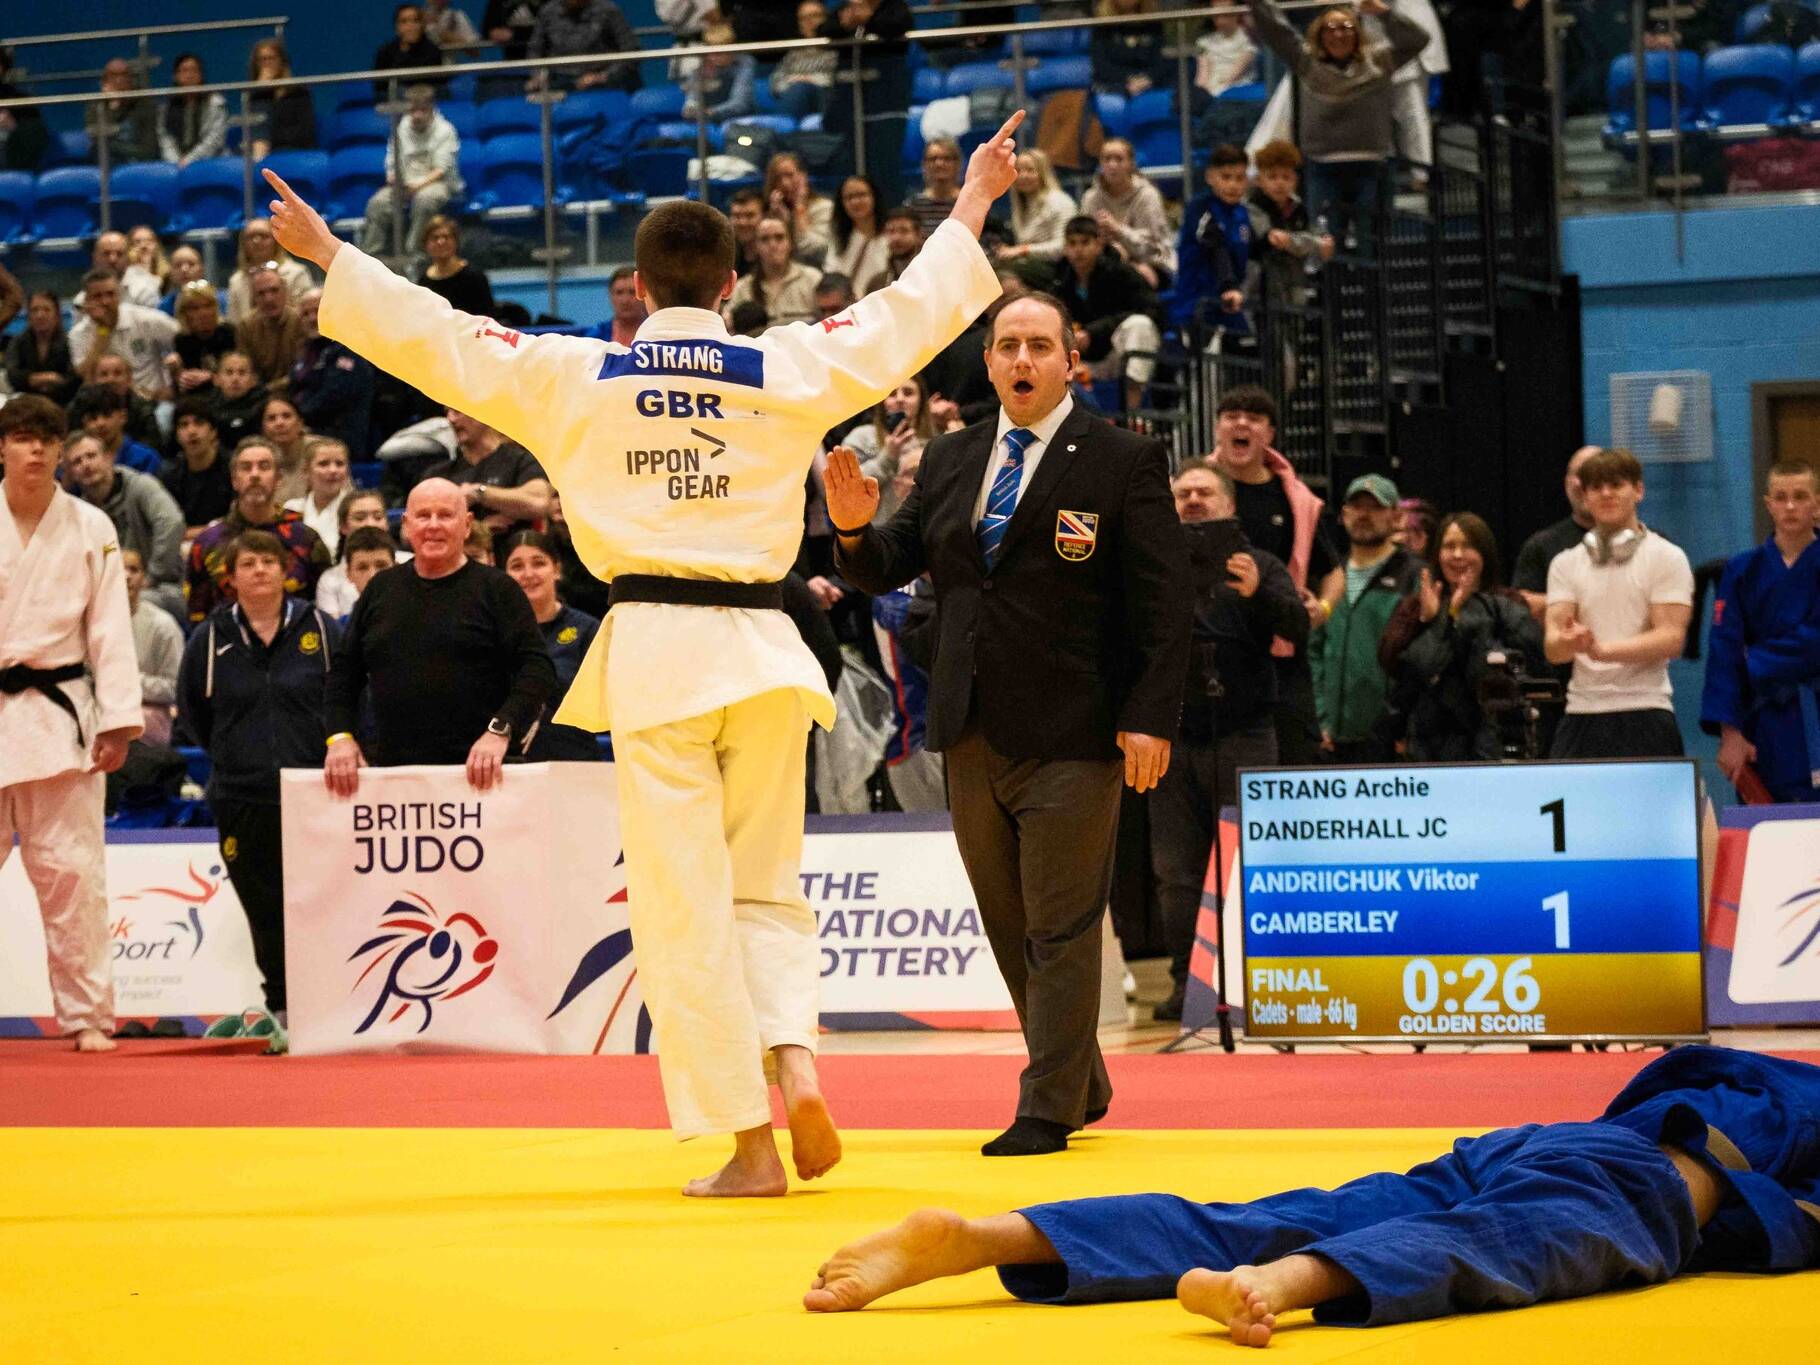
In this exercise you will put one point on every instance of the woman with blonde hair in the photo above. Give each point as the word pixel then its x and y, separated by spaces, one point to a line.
pixel 197 349
pixel 259 247
pixel 288 113
pixel 1040 209
pixel 788 193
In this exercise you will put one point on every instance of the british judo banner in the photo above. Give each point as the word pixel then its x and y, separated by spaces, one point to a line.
pixel 1763 922
pixel 177 937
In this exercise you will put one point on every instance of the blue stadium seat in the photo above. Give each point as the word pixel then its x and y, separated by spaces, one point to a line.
pixel 781 124
pixel 913 144
pixel 211 194
pixel 1620 85
pixel 300 170
pixel 366 473
pixel 1748 90
pixel 661 171
pixel 1059 73
pixel 584 106
pixel 1807 86
pixel 470 161
pixel 358 128
pixel 1113 112
pixel 970 76
pixel 66 202
pixel 1150 108
pixel 353 95
pixel 72 147
pixel 511 172
pixel 1750 23
pixel 354 173
pixel 502 118
pixel 1047 41
pixel 1252 92
pixel 462 88
pixel 658 102
pixel 683 131
pixel 463 117
pixel 929 84
pixel 16 201
pixel 142 192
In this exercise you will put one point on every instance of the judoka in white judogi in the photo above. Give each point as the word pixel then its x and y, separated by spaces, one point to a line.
pixel 685 455
pixel 68 674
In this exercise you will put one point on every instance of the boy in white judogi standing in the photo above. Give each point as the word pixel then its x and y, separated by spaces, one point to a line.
pixel 681 461
pixel 69 706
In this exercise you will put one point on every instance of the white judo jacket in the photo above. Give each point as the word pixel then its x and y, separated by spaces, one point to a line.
pixel 685 454
pixel 63 601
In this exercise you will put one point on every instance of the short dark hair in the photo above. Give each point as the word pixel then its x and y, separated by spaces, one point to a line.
pixel 1081 226
pixel 833 282
pixel 751 194
pixel 536 540
pixel 99 274
pixel 368 538
pixel 1479 536
pixel 625 272
pixel 1791 468
pixel 357 495
pixel 254 542
pixel 1609 467
pixel 193 405
pixel 1034 296
pixel 1227 155
pixel 34 414
pixel 750 318
pixel 684 253
pixel 1248 398
pixel 97 398
pixel 903 213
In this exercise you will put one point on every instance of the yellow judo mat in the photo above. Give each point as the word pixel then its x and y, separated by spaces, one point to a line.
pixel 506 1245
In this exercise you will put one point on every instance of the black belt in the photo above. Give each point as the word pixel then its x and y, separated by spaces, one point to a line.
pixel 695 592
pixel 23 678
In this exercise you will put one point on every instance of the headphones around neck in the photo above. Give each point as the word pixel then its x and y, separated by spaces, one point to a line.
pixel 1619 548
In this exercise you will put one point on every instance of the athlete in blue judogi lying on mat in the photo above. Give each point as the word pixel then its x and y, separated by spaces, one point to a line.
pixel 1708 1160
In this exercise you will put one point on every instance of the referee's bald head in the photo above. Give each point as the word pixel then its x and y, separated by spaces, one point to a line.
pixel 684 255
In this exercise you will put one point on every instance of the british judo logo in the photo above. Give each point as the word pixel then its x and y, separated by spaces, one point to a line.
pixel 431 960
pixel 1800 906
pixel 603 960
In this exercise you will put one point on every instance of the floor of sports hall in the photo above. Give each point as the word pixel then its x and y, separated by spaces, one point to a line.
pixel 196 1201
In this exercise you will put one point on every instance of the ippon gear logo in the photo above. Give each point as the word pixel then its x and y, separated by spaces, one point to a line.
pixel 1802 924
pixel 427 960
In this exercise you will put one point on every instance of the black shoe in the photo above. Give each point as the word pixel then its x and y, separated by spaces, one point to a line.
pixel 1170 1010
pixel 1093 1116
pixel 132 1028
pixel 1028 1137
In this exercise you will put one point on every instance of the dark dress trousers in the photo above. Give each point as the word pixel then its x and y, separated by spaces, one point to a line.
pixel 1079 631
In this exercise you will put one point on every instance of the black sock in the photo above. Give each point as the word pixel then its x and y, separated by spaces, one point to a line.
pixel 1029 1137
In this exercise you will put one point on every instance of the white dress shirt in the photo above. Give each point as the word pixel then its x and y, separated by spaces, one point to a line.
pixel 1044 431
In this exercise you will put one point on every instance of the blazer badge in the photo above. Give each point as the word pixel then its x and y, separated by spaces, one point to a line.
pixel 1076 533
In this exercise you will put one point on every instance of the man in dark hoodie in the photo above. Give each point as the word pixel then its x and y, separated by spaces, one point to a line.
pixel 250 690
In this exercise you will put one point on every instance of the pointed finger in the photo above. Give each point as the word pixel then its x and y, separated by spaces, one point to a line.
pixel 1011 126
pixel 276 181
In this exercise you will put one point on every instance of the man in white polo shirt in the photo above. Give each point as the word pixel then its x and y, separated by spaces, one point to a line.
pixel 1618 607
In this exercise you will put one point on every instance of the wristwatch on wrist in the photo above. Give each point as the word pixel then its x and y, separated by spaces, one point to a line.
pixel 496 726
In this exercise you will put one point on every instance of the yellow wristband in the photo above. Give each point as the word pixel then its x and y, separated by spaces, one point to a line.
pixel 344 734
pixel 1326 615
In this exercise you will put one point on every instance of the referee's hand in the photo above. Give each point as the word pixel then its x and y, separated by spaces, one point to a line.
pixel 852 496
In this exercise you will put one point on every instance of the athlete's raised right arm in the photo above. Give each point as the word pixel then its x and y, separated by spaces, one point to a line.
pixel 515 383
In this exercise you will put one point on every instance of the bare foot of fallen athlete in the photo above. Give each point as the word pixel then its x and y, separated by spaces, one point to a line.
pixel 754 1172
pixel 927 1245
pixel 814 1140
pixel 1234 1297
pixel 94 1040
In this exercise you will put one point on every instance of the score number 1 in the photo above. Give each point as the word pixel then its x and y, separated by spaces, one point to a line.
pixel 1557 903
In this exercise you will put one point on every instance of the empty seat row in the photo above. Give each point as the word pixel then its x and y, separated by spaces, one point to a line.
pixel 1735 92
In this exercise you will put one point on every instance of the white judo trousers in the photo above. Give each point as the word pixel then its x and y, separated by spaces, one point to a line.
pixel 711 822
pixel 62 602
pixel 686 455
pixel 58 821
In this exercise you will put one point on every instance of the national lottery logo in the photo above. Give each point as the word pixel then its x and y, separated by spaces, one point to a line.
pixel 421 960
pixel 1802 924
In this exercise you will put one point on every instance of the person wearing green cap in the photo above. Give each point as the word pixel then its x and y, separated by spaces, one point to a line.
pixel 1350 687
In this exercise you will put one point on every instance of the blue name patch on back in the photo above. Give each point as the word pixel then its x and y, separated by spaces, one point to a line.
pixel 744 365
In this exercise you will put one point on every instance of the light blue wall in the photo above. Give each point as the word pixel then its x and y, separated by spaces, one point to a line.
pixel 1742 304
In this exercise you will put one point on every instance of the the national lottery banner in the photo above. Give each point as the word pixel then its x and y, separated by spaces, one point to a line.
pixel 177 936
pixel 1763 927
pixel 1472 902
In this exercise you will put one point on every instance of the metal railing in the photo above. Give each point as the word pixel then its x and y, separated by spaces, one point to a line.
pixel 143 61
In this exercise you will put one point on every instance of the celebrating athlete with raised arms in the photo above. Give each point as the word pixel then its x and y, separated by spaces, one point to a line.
pixel 681 460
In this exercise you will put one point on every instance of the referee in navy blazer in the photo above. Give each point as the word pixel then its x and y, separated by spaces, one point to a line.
pixel 1061 653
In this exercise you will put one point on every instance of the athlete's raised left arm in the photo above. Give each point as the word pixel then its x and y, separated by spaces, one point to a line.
pixel 513 382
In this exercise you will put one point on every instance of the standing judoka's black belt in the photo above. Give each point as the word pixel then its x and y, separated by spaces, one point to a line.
pixel 695 592
pixel 24 678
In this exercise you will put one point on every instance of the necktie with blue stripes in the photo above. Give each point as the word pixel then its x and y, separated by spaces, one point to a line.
pixel 1001 502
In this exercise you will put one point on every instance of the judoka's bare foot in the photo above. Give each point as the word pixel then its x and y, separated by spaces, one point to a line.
pixel 814 1141
pixel 755 1172
pixel 94 1040
pixel 1234 1297
pixel 928 1245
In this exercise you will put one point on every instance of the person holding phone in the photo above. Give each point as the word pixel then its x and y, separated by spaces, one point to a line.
pixel 1243 598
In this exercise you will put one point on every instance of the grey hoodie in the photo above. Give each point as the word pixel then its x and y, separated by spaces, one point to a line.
pixel 148 520
pixel 1345 110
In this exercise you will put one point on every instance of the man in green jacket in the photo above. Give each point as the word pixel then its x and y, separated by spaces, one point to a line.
pixel 1349 686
